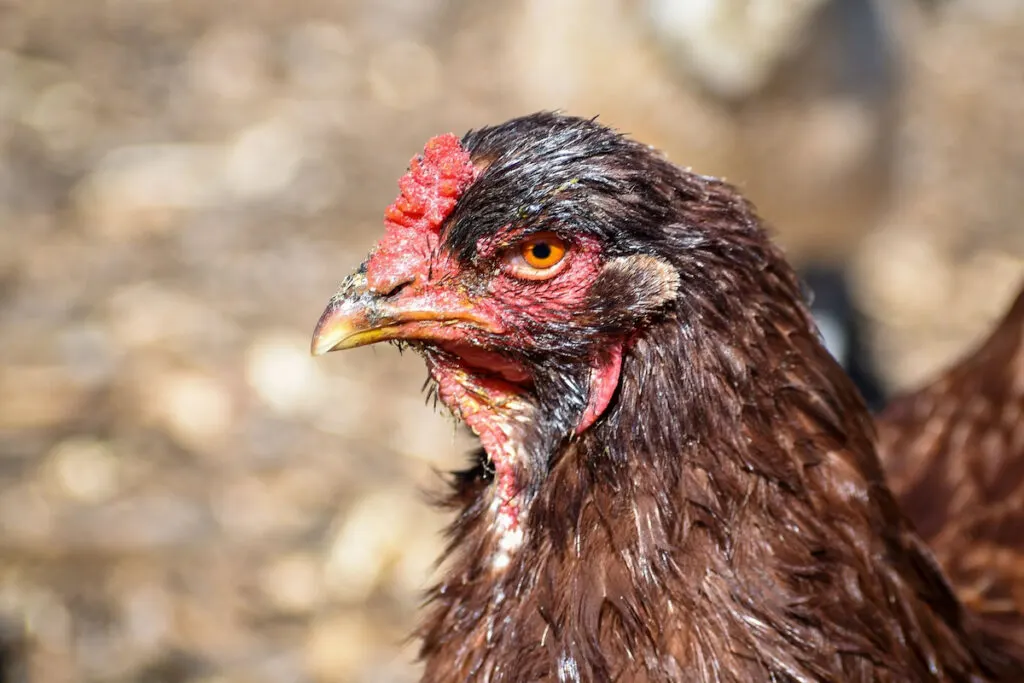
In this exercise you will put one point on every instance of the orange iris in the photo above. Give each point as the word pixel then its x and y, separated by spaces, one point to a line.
pixel 543 250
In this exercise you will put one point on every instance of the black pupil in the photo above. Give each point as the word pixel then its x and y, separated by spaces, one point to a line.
pixel 542 250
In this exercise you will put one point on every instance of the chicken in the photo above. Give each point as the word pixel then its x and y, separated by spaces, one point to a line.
pixel 954 455
pixel 676 480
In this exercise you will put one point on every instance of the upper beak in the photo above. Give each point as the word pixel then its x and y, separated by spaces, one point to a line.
pixel 356 316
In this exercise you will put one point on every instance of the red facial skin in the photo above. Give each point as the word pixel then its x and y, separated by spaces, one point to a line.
pixel 490 307
pixel 556 300
pixel 550 300
pixel 484 388
pixel 490 406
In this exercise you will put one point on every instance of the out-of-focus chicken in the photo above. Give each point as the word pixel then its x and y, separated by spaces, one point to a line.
pixel 842 328
pixel 954 456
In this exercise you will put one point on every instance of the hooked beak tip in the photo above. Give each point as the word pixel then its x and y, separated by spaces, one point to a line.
pixel 321 345
pixel 331 331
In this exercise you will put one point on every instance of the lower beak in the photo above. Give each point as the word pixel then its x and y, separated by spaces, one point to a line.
pixel 356 316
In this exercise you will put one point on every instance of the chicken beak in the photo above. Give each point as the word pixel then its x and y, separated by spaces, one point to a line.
pixel 349 319
pixel 356 316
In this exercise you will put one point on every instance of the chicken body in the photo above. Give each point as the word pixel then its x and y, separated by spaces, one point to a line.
pixel 676 482
pixel 954 455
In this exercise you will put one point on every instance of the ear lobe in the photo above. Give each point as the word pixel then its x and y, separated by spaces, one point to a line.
pixel 632 287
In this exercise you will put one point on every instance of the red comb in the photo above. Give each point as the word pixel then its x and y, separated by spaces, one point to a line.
pixel 432 185
pixel 412 224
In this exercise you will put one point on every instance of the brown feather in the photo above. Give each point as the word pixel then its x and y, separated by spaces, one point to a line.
pixel 954 451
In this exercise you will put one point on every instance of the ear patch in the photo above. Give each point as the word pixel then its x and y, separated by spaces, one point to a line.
pixel 637 286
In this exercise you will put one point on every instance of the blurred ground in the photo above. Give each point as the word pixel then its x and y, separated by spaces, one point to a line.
pixel 184 494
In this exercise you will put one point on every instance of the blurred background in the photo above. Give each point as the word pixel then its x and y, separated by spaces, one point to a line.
pixel 185 495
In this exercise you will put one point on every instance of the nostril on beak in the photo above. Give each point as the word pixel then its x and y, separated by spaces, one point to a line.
pixel 398 288
pixel 389 287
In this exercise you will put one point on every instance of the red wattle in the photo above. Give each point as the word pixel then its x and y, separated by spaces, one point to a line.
pixel 604 378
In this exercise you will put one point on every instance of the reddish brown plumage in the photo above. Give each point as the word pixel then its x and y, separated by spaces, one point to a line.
pixel 954 454
pixel 725 516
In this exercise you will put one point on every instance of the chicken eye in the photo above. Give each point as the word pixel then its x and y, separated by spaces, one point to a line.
pixel 538 257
